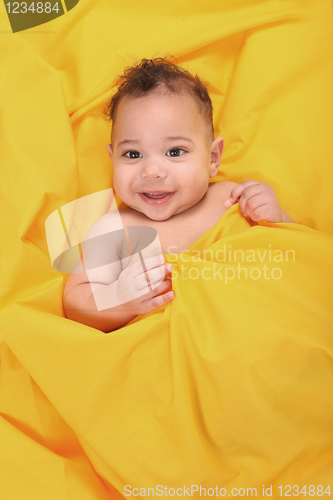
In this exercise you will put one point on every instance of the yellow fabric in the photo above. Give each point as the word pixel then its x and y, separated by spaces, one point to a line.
pixel 231 384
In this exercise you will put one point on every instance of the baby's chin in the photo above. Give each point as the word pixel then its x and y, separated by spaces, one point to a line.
pixel 154 217
pixel 161 217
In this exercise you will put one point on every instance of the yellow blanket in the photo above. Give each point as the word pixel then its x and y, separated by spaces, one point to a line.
pixel 230 386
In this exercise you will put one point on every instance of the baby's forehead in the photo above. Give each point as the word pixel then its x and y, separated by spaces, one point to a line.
pixel 182 104
pixel 188 106
pixel 157 95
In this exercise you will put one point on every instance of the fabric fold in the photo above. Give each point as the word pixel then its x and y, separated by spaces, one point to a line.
pixel 229 385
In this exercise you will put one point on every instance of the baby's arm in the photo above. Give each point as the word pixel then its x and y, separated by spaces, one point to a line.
pixel 258 201
pixel 115 285
pixel 80 306
pixel 78 299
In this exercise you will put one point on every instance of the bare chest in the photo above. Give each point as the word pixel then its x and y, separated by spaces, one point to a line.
pixel 178 236
pixel 179 232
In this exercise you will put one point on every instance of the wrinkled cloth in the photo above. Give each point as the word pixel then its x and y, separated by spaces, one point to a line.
pixel 230 384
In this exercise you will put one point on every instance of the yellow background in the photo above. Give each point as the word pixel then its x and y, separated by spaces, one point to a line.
pixel 228 385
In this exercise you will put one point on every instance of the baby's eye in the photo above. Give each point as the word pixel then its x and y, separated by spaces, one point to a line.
pixel 176 152
pixel 133 154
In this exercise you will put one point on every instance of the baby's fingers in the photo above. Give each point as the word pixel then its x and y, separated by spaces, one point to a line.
pixel 136 269
pixel 230 201
pixel 153 277
pixel 155 302
pixel 237 192
pixel 158 273
pixel 249 204
pixel 153 262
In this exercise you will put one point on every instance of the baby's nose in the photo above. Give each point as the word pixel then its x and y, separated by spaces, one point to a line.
pixel 153 170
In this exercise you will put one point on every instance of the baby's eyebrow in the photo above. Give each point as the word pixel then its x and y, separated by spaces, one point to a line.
pixel 179 138
pixel 173 138
pixel 129 141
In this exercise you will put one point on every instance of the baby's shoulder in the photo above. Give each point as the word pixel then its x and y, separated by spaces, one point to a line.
pixel 222 189
pixel 108 223
pixel 106 241
pixel 225 185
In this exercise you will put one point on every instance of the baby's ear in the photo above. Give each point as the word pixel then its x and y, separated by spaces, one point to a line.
pixel 109 150
pixel 219 144
pixel 216 154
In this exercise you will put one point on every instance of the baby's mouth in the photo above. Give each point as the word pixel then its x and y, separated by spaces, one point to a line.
pixel 156 194
pixel 156 197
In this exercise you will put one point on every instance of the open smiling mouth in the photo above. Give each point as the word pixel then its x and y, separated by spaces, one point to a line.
pixel 156 197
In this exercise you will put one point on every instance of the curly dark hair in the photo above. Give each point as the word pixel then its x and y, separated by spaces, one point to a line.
pixel 150 74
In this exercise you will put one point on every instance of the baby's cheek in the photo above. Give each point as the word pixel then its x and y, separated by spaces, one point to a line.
pixel 119 184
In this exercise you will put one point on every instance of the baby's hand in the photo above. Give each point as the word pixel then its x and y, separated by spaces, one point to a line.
pixel 257 200
pixel 133 288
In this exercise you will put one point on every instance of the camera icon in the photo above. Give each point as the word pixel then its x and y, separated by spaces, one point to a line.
pixel 74 248
pixel 25 15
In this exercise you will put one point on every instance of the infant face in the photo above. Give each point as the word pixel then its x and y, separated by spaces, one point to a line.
pixel 162 158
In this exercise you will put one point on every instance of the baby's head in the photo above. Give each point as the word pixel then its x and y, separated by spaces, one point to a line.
pixel 162 143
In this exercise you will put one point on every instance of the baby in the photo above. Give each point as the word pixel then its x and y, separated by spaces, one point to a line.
pixel 163 154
